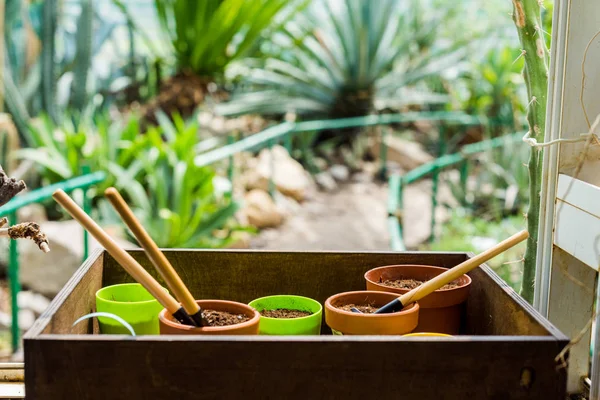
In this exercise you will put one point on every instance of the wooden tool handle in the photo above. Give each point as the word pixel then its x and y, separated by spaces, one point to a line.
pixel 434 284
pixel 158 259
pixel 127 262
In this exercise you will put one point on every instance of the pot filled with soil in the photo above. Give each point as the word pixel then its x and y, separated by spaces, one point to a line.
pixel 343 321
pixel 441 311
pixel 222 317
pixel 288 315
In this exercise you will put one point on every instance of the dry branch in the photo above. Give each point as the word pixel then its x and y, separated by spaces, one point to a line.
pixel 27 230
pixel 9 188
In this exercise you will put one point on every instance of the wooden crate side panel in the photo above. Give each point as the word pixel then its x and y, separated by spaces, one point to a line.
pixel 571 308
pixel 76 299
pixel 250 275
pixel 246 275
pixel 494 308
pixel 90 370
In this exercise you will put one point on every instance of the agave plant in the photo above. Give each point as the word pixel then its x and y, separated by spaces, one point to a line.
pixel 348 58
pixel 207 35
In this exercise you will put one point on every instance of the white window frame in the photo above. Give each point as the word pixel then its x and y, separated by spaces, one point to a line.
pixel 569 236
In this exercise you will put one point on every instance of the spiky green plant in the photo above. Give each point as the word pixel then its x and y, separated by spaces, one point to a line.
pixel 207 35
pixel 527 18
pixel 493 86
pixel 347 58
pixel 97 141
pixel 174 198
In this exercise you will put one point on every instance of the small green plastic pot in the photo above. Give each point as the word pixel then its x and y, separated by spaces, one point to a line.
pixel 131 302
pixel 310 325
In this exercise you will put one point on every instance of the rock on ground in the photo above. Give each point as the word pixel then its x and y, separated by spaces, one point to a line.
pixel 260 209
pixel 340 172
pixel 325 181
pixel 354 218
pixel 47 273
pixel 288 175
pixel 407 154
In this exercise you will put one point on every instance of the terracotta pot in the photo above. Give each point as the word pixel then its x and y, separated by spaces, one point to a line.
pixel 441 311
pixel 349 323
pixel 169 326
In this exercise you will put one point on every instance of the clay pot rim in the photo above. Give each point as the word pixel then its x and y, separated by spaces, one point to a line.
pixel 413 307
pixel 313 315
pixel 252 321
pixel 467 283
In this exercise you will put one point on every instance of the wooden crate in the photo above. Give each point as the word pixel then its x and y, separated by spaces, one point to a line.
pixel 507 350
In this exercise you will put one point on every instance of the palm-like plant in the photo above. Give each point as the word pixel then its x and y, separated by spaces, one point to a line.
pixel 207 35
pixel 347 58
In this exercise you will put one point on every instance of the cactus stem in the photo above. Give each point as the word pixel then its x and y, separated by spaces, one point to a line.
pixel 527 18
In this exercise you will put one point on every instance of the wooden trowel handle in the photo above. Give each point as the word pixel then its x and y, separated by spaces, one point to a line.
pixel 454 273
pixel 434 284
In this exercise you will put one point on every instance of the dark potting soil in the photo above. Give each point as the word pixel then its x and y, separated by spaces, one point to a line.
pixel 365 308
pixel 284 313
pixel 223 318
pixel 413 283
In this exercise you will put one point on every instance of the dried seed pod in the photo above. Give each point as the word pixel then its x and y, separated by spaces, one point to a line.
pixel 30 230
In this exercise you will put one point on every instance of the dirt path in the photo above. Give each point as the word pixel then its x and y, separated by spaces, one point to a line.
pixel 352 218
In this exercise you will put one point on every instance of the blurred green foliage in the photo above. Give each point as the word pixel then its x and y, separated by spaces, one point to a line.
pixel 498 183
pixel 464 232
pixel 207 35
pixel 348 58
pixel 174 199
pixel 493 86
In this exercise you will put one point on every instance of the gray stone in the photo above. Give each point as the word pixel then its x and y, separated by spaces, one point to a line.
pixel 47 273
pixel 32 212
pixel 261 210
pixel 287 205
pixel 326 182
pixel 340 173
pixel 32 301
pixel 407 154
pixel 26 319
pixel 288 175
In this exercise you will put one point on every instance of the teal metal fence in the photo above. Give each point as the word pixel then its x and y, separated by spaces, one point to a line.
pixel 10 210
pixel 281 133
pixel 398 182
pixel 284 132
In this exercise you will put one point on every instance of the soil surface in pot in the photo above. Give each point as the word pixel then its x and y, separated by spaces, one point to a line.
pixel 365 308
pixel 284 313
pixel 223 318
pixel 413 283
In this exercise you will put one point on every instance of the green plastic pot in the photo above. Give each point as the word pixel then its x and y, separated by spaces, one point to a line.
pixel 131 302
pixel 310 325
